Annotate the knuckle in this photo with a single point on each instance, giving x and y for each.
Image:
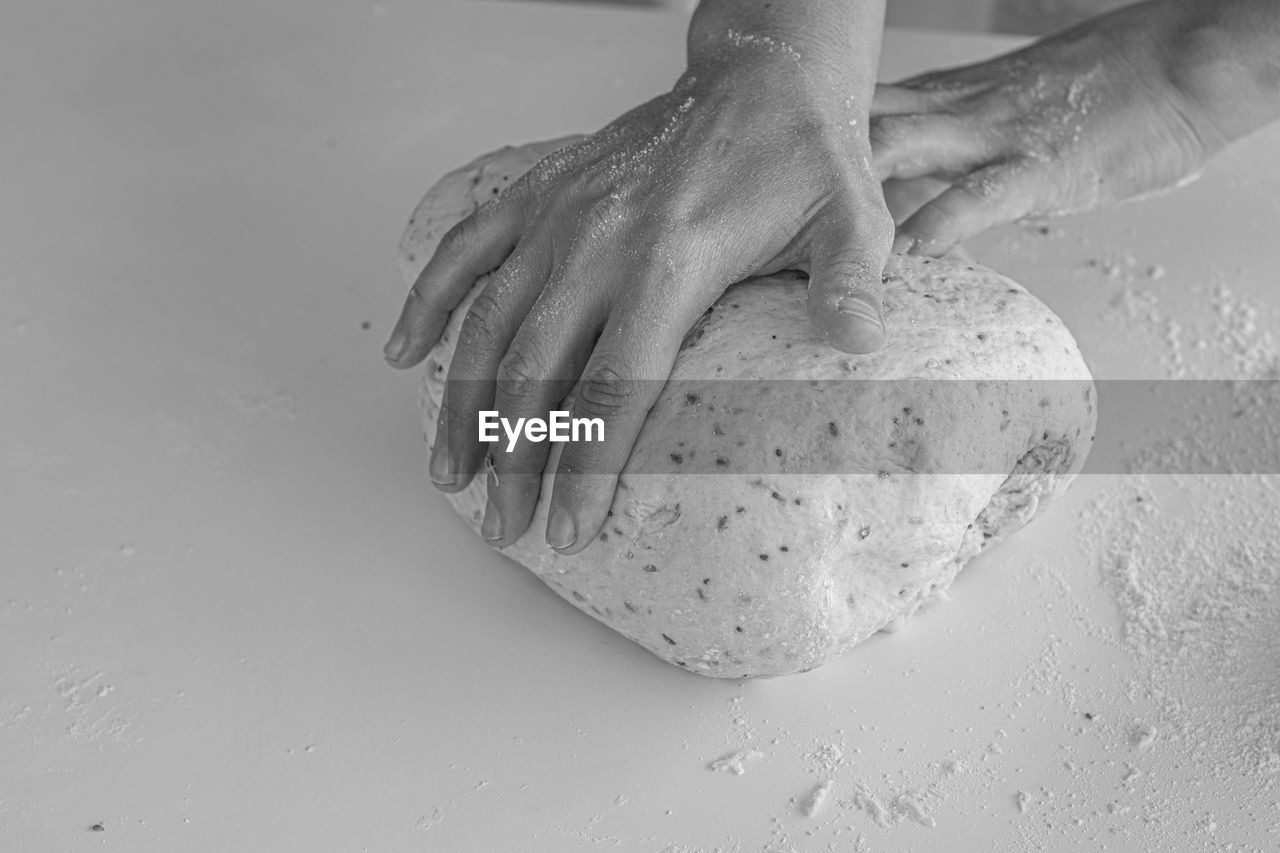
(519, 374)
(857, 247)
(484, 324)
(1021, 139)
(988, 184)
(595, 183)
(850, 265)
(458, 239)
(610, 209)
(686, 205)
(605, 391)
(600, 216)
(877, 223)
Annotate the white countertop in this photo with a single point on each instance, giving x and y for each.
(236, 616)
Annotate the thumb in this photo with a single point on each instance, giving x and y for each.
(850, 247)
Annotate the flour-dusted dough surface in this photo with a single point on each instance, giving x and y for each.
(765, 571)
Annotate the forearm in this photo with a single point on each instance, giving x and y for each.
(1224, 55)
(836, 40)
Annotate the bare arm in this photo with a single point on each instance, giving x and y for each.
(830, 31)
(1225, 56)
(1121, 106)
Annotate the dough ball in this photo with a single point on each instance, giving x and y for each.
(852, 488)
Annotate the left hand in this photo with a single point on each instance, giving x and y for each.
(1079, 120)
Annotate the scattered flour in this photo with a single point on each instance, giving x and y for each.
(1142, 735)
(816, 799)
(1191, 564)
(826, 759)
(893, 808)
(1232, 340)
(735, 762)
(742, 727)
(1199, 598)
(430, 821)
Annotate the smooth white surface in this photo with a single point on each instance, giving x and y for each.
(235, 616)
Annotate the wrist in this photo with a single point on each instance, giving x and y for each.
(1219, 59)
(836, 43)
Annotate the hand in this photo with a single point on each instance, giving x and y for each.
(1076, 121)
(608, 251)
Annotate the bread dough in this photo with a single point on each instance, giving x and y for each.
(842, 504)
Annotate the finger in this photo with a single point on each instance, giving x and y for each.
(529, 485)
(981, 200)
(538, 371)
(905, 197)
(948, 85)
(619, 386)
(849, 250)
(897, 100)
(918, 145)
(491, 322)
(923, 93)
(467, 251)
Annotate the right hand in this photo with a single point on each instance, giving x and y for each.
(608, 252)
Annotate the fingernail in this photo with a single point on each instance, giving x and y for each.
(491, 527)
(904, 244)
(561, 529)
(859, 307)
(442, 470)
(395, 347)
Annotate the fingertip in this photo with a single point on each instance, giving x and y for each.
(579, 509)
(928, 232)
(985, 198)
(904, 243)
(852, 323)
(861, 339)
(843, 303)
(936, 248)
(403, 355)
(562, 530)
(443, 468)
(924, 244)
(394, 349)
(413, 336)
(858, 324)
(500, 529)
(410, 355)
(491, 526)
(513, 491)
